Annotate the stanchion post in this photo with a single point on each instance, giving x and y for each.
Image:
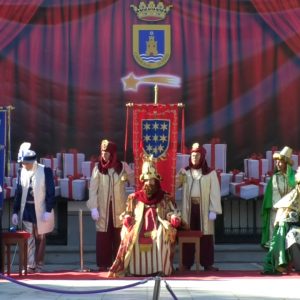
(156, 290)
(82, 268)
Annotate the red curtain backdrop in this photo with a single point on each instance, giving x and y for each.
(166, 164)
(238, 61)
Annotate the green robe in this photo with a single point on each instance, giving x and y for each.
(268, 204)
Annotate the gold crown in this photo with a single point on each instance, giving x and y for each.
(151, 12)
(149, 169)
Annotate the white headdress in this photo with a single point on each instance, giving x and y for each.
(25, 154)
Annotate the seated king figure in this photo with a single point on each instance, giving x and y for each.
(149, 229)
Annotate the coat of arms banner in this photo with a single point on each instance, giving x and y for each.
(155, 132)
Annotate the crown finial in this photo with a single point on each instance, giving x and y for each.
(151, 12)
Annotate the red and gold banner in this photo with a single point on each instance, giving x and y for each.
(155, 132)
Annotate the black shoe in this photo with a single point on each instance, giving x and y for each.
(211, 269)
(276, 273)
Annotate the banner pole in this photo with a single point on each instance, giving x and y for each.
(9, 109)
(82, 268)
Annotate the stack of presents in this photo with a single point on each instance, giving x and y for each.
(72, 172)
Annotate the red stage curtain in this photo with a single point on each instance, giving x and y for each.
(161, 136)
(14, 16)
(283, 16)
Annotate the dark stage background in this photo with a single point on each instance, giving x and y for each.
(62, 63)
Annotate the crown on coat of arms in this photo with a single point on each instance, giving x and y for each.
(151, 12)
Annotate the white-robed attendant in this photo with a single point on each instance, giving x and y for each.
(33, 205)
(201, 204)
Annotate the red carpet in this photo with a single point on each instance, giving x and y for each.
(220, 275)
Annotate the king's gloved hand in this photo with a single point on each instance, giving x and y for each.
(95, 214)
(212, 215)
(15, 219)
(46, 216)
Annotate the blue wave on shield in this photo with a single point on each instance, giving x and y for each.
(150, 58)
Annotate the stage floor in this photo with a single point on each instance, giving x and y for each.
(202, 285)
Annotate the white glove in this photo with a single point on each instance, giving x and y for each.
(15, 219)
(95, 214)
(46, 216)
(212, 215)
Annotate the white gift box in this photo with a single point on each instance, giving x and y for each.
(247, 191)
(49, 162)
(10, 181)
(254, 168)
(72, 164)
(13, 169)
(224, 179)
(265, 178)
(262, 188)
(295, 159)
(216, 160)
(238, 177)
(57, 191)
(58, 173)
(8, 192)
(74, 189)
(87, 168)
(182, 161)
(269, 157)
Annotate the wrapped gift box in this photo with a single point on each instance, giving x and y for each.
(13, 169)
(182, 161)
(255, 168)
(247, 191)
(8, 192)
(10, 181)
(216, 156)
(237, 176)
(57, 191)
(50, 162)
(296, 161)
(262, 188)
(87, 168)
(269, 157)
(224, 179)
(72, 164)
(265, 178)
(72, 189)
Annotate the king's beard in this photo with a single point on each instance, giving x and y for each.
(150, 190)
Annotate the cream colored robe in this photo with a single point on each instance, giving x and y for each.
(210, 197)
(39, 191)
(104, 187)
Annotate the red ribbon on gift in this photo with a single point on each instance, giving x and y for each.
(219, 171)
(213, 143)
(50, 156)
(13, 167)
(259, 157)
(273, 149)
(7, 192)
(75, 159)
(297, 153)
(246, 182)
(234, 172)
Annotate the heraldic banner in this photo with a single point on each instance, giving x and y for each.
(2, 151)
(155, 132)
